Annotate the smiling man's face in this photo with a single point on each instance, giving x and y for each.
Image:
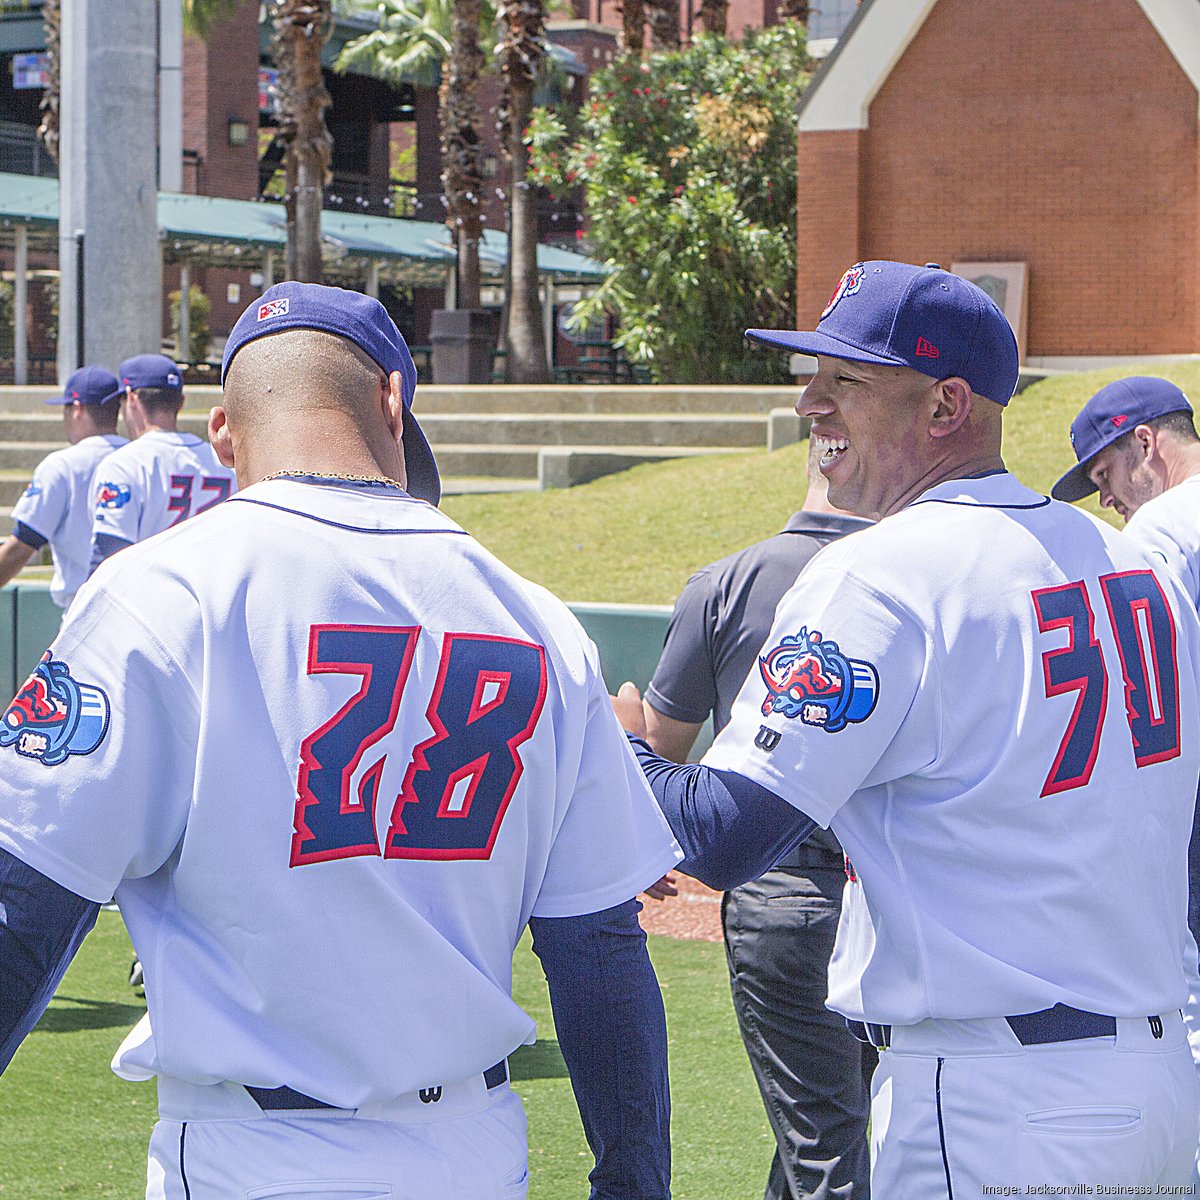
(870, 424)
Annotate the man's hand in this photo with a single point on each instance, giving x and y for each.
(663, 888)
(627, 704)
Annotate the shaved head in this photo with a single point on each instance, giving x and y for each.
(283, 375)
(305, 400)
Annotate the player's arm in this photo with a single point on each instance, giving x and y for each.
(17, 550)
(41, 927)
(115, 512)
(730, 828)
(105, 545)
(666, 736)
(608, 1014)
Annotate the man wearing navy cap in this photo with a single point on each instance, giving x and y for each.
(56, 507)
(992, 702)
(333, 758)
(1137, 446)
(164, 476)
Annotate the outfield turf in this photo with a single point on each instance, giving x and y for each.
(69, 1127)
(634, 538)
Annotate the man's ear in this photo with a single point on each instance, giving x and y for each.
(1146, 440)
(952, 408)
(219, 436)
(392, 401)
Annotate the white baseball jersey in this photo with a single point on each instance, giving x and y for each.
(57, 505)
(1168, 529)
(331, 755)
(991, 699)
(156, 482)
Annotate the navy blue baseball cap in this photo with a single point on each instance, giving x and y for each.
(899, 315)
(366, 323)
(150, 371)
(89, 385)
(1110, 414)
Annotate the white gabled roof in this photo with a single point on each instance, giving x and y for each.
(840, 94)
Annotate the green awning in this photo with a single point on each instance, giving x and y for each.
(219, 232)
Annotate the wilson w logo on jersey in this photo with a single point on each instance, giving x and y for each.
(1144, 628)
(486, 702)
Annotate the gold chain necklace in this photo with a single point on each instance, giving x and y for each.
(329, 475)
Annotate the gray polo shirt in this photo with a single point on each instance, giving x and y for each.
(722, 618)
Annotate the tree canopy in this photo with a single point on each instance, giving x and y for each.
(688, 166)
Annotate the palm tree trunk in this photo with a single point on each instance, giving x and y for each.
(523, 31)
(714, 14)
(632, 36)
(48, 130)
(302, 27)
(664, 24)
(458, 102)
(794, 10)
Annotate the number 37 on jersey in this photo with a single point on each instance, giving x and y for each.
(1144, 629)
(486, 702)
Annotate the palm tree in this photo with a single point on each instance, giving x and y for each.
(414, 39)
(48, 129)
(302, 27)
(633, 27)
(663, 18)
(522, 50)
(794, 10)
(714, 15)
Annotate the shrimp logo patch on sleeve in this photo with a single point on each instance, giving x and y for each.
(810, 678)
(54, 715)
(112, 495)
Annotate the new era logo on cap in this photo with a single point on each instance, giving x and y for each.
(1120, 420)
(926, 349)
(274, 308)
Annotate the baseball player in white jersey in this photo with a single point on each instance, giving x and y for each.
(164, 475)
(333, 757)
(56, 507)
(991, 699)
(1137, 446)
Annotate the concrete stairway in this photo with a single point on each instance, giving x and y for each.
(496, 438)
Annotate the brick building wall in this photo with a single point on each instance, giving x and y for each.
(1016, 138)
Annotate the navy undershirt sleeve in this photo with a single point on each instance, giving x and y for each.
(41, 927)
(30, 537)
(105, 545)
(730, 828)
(608, 1014)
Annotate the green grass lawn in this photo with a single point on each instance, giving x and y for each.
(69, 1127)
(634, 538)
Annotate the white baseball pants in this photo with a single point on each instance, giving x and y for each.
(961, 1110)
(466, 1148)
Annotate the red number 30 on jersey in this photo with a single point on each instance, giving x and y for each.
(486, 702)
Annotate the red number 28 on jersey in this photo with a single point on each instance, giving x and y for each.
(486, 702)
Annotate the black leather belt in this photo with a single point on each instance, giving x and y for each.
(286, 1098)
(1062, 1023)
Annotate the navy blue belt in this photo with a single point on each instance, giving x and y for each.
(286, 1098)
(1062, 1023)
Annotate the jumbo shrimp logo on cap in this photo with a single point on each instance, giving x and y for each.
(274, 308)
(847, 286)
